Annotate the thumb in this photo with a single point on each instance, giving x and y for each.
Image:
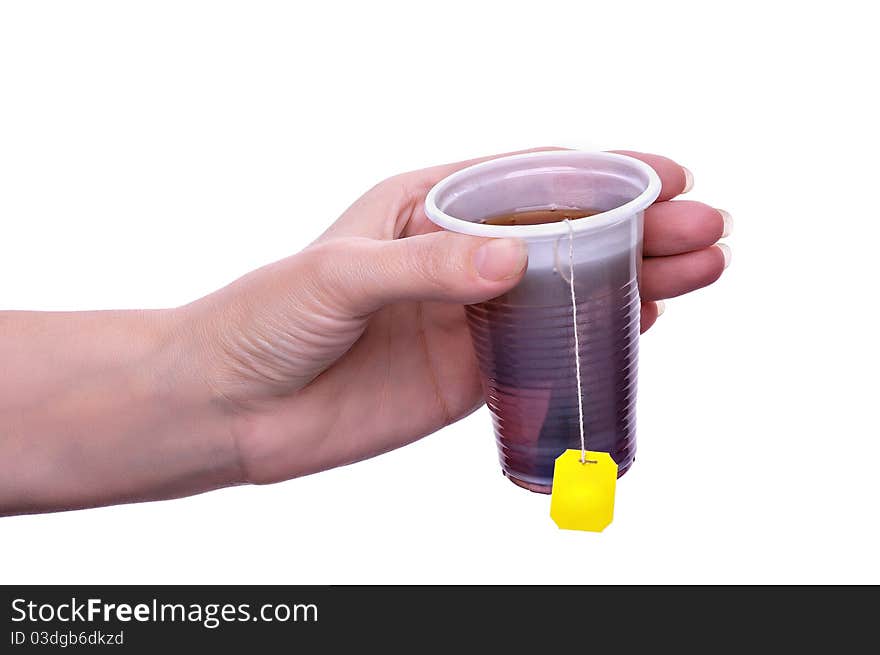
(363, 275)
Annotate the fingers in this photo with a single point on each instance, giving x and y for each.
(428, 177)
(676, 179)
(673, 228)
(393, 208)
(360, 276)
(651, 311)
(667, 277)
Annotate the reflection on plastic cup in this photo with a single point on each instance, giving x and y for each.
(524, 340)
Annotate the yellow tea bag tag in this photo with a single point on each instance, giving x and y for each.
(583, 492)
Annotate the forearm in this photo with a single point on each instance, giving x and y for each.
(105, 407)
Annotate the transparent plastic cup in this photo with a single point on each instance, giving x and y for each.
(524, 339)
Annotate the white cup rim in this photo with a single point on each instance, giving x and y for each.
(543, 230)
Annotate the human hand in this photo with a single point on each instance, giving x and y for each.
(358, 344)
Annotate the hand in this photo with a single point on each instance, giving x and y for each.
(358, 344)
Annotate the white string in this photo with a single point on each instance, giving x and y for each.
(577, 346)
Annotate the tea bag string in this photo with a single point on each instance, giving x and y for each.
(577, 345)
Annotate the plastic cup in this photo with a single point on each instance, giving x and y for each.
(524, 339)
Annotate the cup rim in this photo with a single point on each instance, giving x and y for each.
(595, 222)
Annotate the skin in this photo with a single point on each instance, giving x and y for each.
(300, 366)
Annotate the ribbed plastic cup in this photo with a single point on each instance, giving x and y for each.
(524, 340)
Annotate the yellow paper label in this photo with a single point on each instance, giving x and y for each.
(583, 493)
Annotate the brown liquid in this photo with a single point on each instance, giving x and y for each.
(538, 216)
(524, 341)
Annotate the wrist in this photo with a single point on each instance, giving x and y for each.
(176, 382)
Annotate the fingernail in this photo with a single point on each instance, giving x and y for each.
(501, 259)
(661, 307)
(725, 250)
(688, 180)
(728, 223)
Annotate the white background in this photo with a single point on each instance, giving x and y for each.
(153, 151)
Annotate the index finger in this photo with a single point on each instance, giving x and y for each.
(428, 177)
(395, 208)
(416, 185)
(676, 178)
